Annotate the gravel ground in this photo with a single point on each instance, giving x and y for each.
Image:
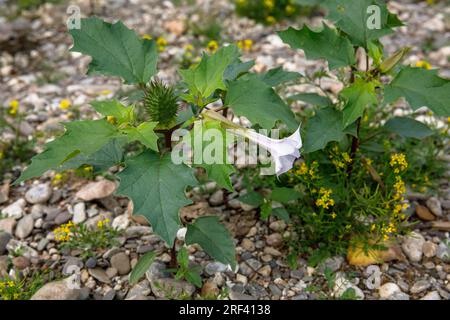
(37, 69)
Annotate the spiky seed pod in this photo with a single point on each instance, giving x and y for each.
(161, 103)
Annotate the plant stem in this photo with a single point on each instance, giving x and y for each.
(173, 257)
(355, 146)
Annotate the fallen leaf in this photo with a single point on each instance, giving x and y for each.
(358, 257)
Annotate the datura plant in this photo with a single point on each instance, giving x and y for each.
(151, 179)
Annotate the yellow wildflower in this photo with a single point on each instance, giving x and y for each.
(269, 4)
(162, 43)
(64, 104)
(111, 119)
(189, 47)
(325, 200)
(13, 107)
(423, 64)
(245, 45)
(333, 215)
(105, 92)
(270, 20)
(290, 9)
(147, 37)
(212, 46)
(346, 157)
(398, 162)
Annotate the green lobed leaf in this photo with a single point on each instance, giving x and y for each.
(144, 133)
(156, 186)
(236, 69)
(114, 109)
(324, 127)
(214, 238)
(325, 44)
(258, 102)
(115, 50)
(312, 98)
(358, 96)
(208, 75)
(421, 88)
(109, 155)
(220, 173)
(351, 16)
(284, 195)
(252, 198)
(142, 266)
(85, 137)
(275, 77)
(408, 127)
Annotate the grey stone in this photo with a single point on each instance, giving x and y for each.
(109, 295)
(413, 246)
(332, 264)
(96, 190)
(7, 225)
(15, 210)
(443, 251)
(388, 289)
(216, 199)
(171, 288)
(72, 266)
(42, 244)
(24, 227)
(254, 264)
(15, 246)
(140, 289)
(62, 218)
(4, 239)
(137, 231)
(213, 267)
(38, 194)
(100, 275)
(121, 262)
(399, 296)
(58, 290)
(435, 206)
(79, 213)
(91, 262)
(420, 286)
(433, 295)
(155, 271)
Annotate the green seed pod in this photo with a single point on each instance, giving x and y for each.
(161, 103)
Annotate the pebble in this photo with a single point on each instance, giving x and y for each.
(24, 227)
(91, 262)
(399, 296)
(435, 206)
(72, 265)
(7, 225)
(160, 288)
(15, 210)
(4, 192)
(443, 252)
(4, 239)
(278, 226)
(254, 264)
(420, 286)
(433, 295)
(63, 217)
(140, 289)
(96, 190)
(137, 231)
(121, 262)
(429, 249)
(79, 213)
(248, 245)
(38, 194)
(265, 271)
(214, 267)
(274, 240)
(121, 222)
(20, 262)
(388, 289)
(341, 285)
(100, 275)
(58, 290)
(413, 246)
(216, 199)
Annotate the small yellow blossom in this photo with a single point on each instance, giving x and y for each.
(423, 64)
(13, 107)
(64, 104)
(290, 9)
(105, 92)
(147, 37)
(333, 215)
(346, 157)
(103, 223)
(245, 45)
(162, 43)
(212, 46)
(111, 119)
(325, 200)
(269, 4)
(189, 47)
(270, 20)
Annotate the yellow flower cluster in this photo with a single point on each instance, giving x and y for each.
(212, 46)
(325, 200)
(387, 230)
(423, 64)
(245, 45)
(64, 104)
(63, 232)
(103, 223)
(188, 49)
(398, 162)
(8, 290)
(304, 170)
(147, 37)
(13, 107)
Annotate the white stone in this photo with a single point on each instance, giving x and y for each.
(15, 210)
(388, 289)
(413, 246)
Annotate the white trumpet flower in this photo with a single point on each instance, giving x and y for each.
(284, 152)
